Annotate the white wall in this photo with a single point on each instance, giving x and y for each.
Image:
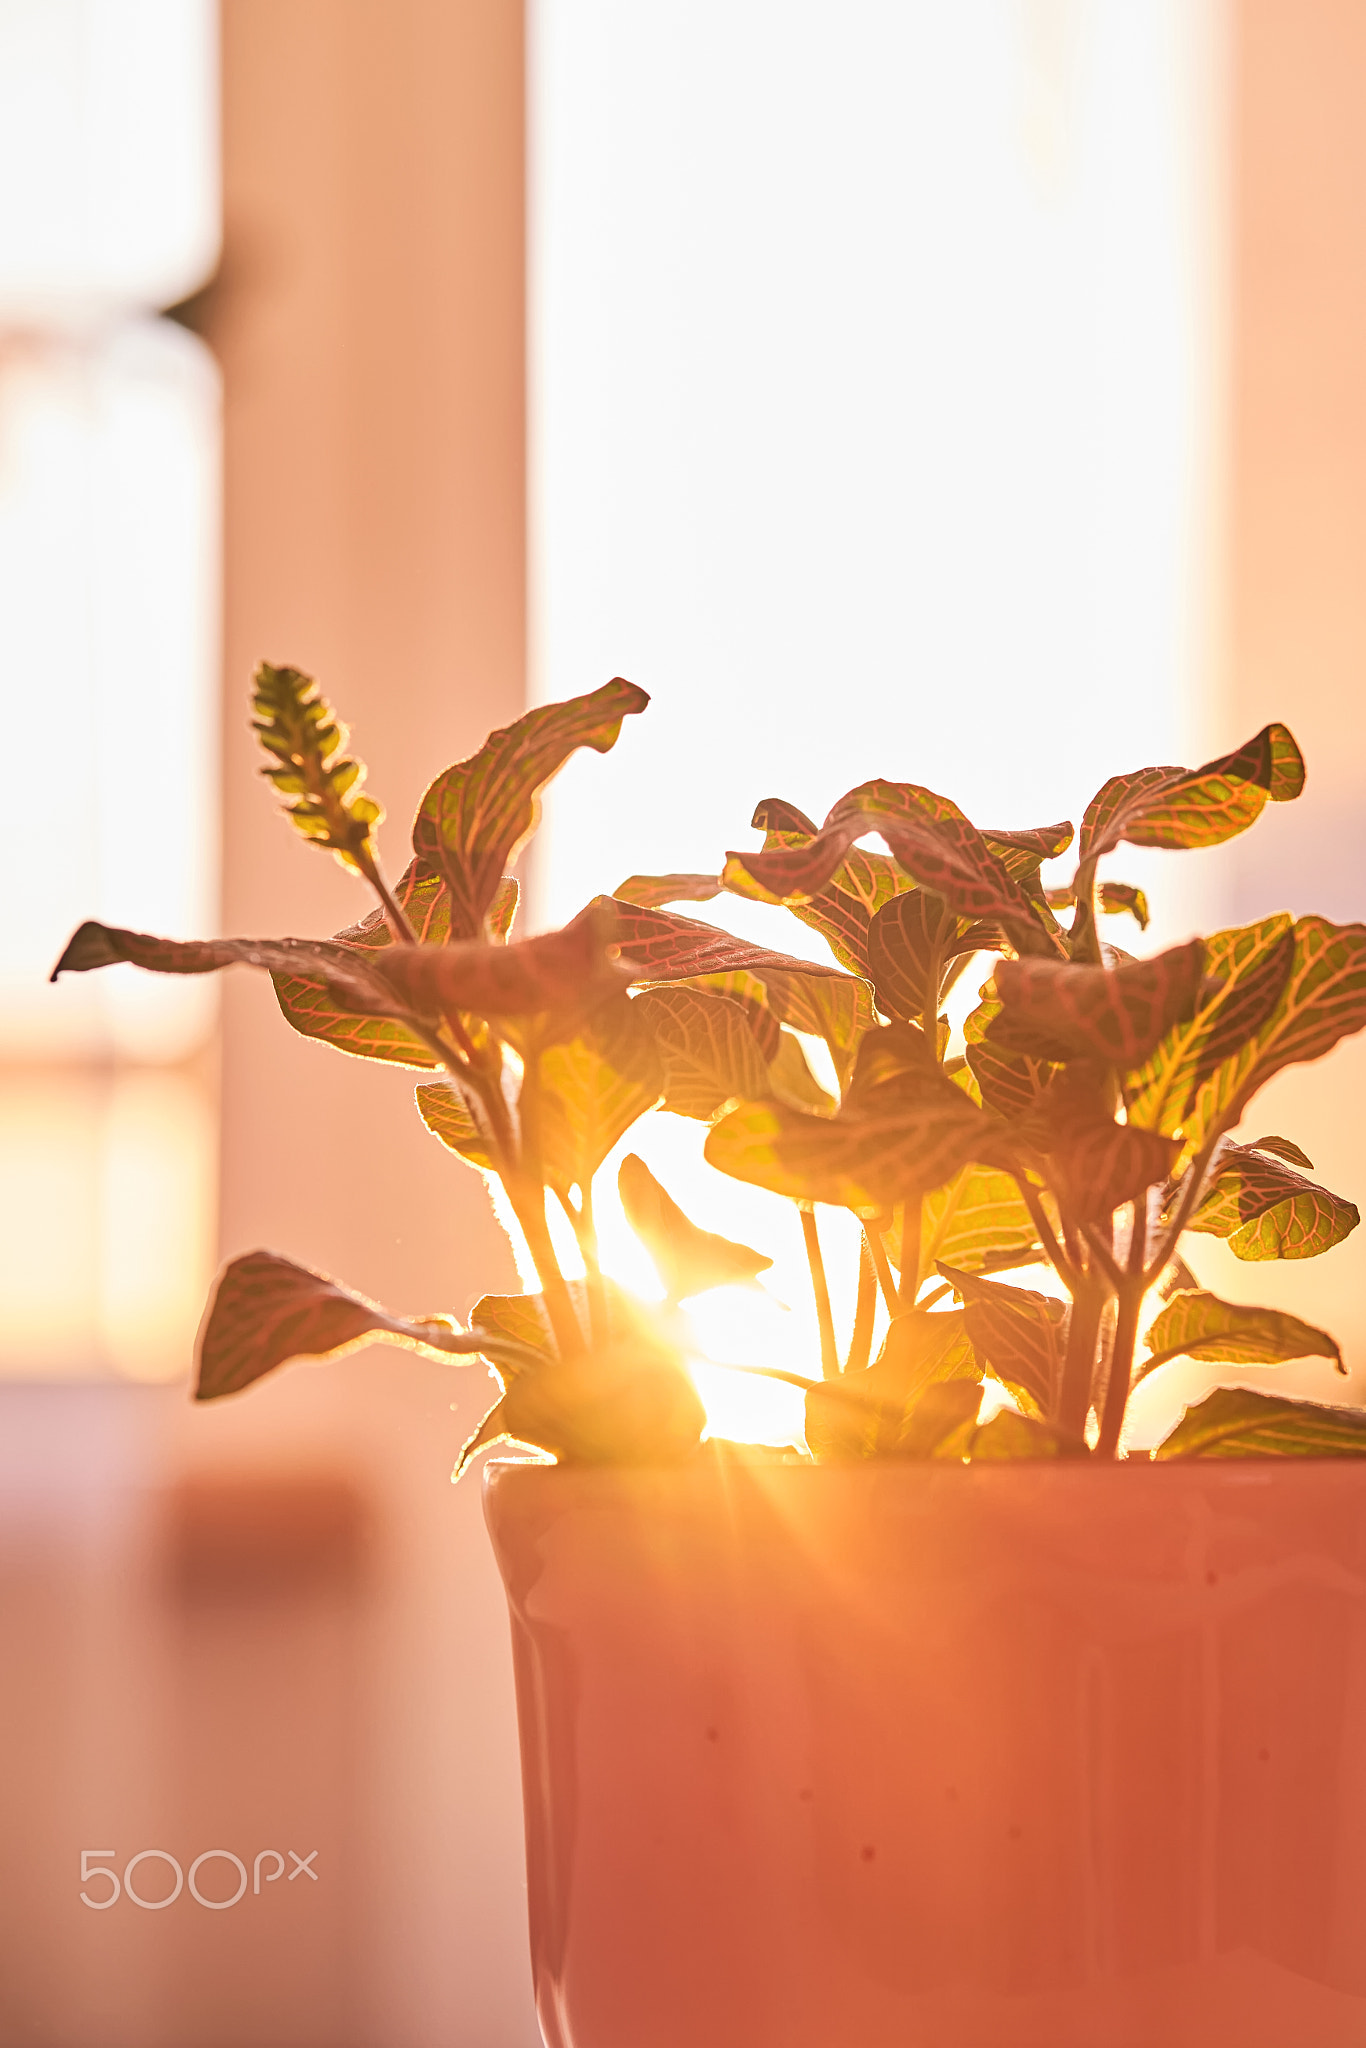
(874, 404)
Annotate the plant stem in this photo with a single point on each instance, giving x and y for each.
(882, 1266)
(1054, 1252)
(1080, 1361)
(912, 1206)
(586, 1234)
(830, 1358)
(394, 915)
(1192, 1188)
(865, 1312)
(1132, 1289)
(528, 1206)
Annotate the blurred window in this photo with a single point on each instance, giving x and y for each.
(108, 656)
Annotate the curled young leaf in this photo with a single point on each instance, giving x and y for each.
(266, 1310)
(858, 888)
(1238, 1422)
(1199, 1325)
(709, 1052)
(1054, 1010)
(1268, 1211)
(688, 1260)
(305, 740)
(929, 837)
(1184, 807)
(1116, 899)
(479, 813)
(652, 892)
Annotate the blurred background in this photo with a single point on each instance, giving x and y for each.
(966, 395)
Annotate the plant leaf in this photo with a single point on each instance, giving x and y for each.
(909, 943)
(1021, 1335)
(1284, 1148)
(501, 912)
(266, 1310)
(341, 967)
(1055, 1010)
(857, 889)
(1247, 969)
(790, 1078)
(317, 1011)
(687, 1259)
(1323, 1000)
(1184, 807)
(558, 978)
(520, 1319)
(651, 892)
(1022, 853)
(449, 1117)
(592, 1088)
(630, 1402)
(892, 1409)
(1110, 1163)
(477, 814)
(929, 836)
(1199, 1325)
(1008, 1435)
(865, 1162)
(305, 740)
(1238, 1422)
(709, 1053)
(977, 1217)
(1268, 1211)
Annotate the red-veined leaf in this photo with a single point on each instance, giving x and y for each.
(561, 976)
(864, 1162)
(1051, 1009)
(1322, 1001)
(1284, 1148)
(591, 1089)
(1199, 1325)
(1266, 1210)
(449, 1117)
(1182, 807)
(477, 814)
(689, 1260)
(859, 887)
(1109, 1163)
(652, 892)
(267, 1310)
(910, 941)
(709, 1053)
(1020, 1334)
(1238, 1422)
(929, 836)
(1247, 969)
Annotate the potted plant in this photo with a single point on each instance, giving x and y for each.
(954, 1723)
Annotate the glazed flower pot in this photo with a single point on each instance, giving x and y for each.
(1013, 1756)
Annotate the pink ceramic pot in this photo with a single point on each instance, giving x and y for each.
(1071, 1757)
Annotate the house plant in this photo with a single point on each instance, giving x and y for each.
(934, 1728)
